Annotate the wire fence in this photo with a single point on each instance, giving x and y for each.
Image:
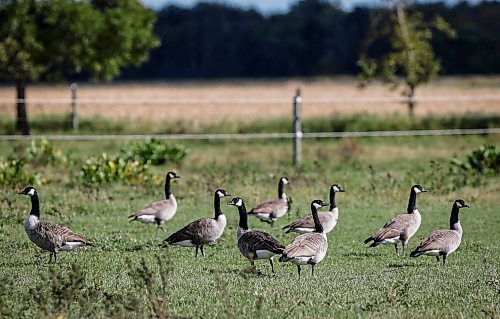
(297, 135)
(248, 136)
(250, 101)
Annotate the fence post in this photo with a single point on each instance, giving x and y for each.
(74, 107)
(297, 128)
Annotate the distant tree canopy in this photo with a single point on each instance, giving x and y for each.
(57, 39)
(314, 38)
(410, 57)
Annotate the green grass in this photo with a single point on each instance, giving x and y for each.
(61, 124)
(108, 280)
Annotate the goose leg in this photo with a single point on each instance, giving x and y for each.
(444, 260)
(437, 257)
(397, 250)
(404, 246)
(50, 259)
(272, 265)
(160, 226)
(298, 270)
(196, 254)
(202, 253)
(312, 269)
(55, 258)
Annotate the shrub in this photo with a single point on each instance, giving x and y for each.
(485, 160)
(44, 152)
(105, 169)
(154, 152)
(12, 173)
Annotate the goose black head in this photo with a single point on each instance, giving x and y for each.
(222, 193)
(318, 203)
(236, 201)
(418, 189)
(172, 175)
(337, 188)
(284, 181)
(29, 191)
(460, 203)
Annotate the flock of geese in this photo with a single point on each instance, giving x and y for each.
(308, 248)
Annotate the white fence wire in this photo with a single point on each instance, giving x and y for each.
(249, 101)
(250, 136)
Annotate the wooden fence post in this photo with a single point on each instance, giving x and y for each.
(74, 107)
(297, 128)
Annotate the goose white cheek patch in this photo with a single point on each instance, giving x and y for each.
(31, 192)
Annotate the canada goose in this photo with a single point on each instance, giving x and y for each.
(308, 248)
(254, 244)
(402, 227)
(47, 235)
(272, 209)
(202, 231)
(445, 241)
(159, 212)
(328, 219)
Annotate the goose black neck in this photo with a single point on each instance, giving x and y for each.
(243, 217)
(332, 199)
(217, 208)
(167, 187)
(281, 187)
(454, 216)
(318, 228)
(412, 202)
(35, 205)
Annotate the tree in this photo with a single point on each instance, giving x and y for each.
(60, 38)
(409, 52)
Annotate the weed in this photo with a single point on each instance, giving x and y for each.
(154, 152)
(13, 174)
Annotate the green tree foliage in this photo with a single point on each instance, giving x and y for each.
(315, 37)
(408, 54)
(57, 39)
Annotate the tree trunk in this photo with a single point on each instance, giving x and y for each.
(411, 101)
(22, 124)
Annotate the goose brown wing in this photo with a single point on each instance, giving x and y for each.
(259, 240)
(394, 227)
(153, 208)
(306, 245)
(191, 231)
(439, 240)
(266, 207)
(306, 222)
(65, 234)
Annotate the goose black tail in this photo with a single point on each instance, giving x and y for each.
(415, 253)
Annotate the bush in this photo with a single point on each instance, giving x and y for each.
(44, 152)
(154, 152)
(105, 169)
(12, 173)
(484, 160)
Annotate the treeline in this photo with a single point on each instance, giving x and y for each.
(315, 37)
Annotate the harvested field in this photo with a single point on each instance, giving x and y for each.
(280, 90)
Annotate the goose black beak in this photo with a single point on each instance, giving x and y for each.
(465, 205)
(424, 190)
(20, 193)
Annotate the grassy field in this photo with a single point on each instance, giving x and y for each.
(281, 90)
(126, 274)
